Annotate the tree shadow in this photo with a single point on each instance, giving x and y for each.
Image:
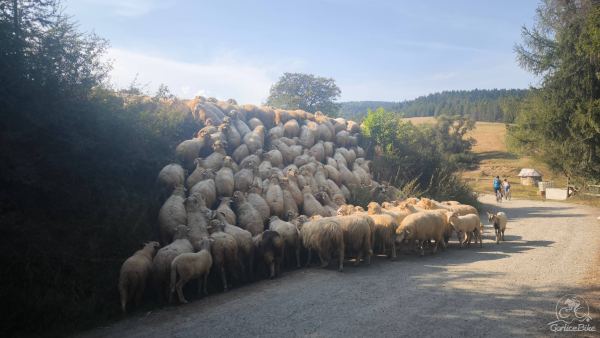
(496, 155)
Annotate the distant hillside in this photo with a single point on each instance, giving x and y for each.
(495, 105)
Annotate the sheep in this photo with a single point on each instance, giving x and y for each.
(293, 187)
(190, 266)
(240, 153)
(499, 221)
(255, 198)
(224, 180)
(197, 218)
(347, 177)
(307, 137)
(329, 148)
(254, 122)
(323, 236)
(243, 238)
(318, 151)
(468, 225)
(385, 229)
(330, 207)
(253, 158)
(310, 205)
(274, 197)
(269, 247)
(214, 161)
(255, 139)
(225, 208)
(333, 174)
(275, 157)
(424, 226)
(161, 264)
(243, 179)
(461, 209)
(171, 176)
(187, 151)
(357, 235)
(288, 232)
(134, 274)
(264, 169)
(291, 128)
(206, 188)
(276, 132)
(207, 110)
(247, 216)
(171, 214)
(289, 203)
(353, 127)
(240, 125)
(224, 252)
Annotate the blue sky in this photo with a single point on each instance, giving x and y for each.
(375, 50)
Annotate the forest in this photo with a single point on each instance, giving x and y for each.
(494, 105)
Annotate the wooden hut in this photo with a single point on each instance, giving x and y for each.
(529, 176)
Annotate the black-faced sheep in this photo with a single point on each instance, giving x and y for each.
(268, 248)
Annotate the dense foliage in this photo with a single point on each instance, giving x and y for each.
(306, 92)
(559, 123)
(78, 164)
(479, 104)
(424, 158)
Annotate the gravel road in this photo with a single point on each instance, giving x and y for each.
(504, 290)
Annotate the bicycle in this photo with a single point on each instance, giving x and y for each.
(507, 195)
(498, 195)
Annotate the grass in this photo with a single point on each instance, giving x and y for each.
(495, 160)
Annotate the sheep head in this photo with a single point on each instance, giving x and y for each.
(181, 232)
(374, 208)
(238, 197)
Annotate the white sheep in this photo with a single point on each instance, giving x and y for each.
(171, 214)
(171, 176)
(247, 216)
(358, 231)
(134, 274)
(499, 221)
(224, 252)
(224, 181)
(467, 225)
(424, 226)
(289, 233)
(189, 266)
(161, 264)
(310, 205)
(385, 229)
(243, 238)
(324, 236)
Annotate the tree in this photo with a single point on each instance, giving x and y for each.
(559, 123)
(306, 92)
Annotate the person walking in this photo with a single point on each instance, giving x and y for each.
(497, 188)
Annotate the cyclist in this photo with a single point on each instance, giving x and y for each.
(497, 187)
(506, 187)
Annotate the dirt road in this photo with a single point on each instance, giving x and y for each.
(504, 290)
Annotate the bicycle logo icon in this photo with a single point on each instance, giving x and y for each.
(572, 314)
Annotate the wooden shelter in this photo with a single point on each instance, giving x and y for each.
(529, 176)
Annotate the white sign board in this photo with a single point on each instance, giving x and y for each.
(556, 194)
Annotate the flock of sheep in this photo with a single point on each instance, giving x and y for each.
(265, 185)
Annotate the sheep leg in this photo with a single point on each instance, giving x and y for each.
(358, 258)
(503, 235)
(139, 292)
(124, 299)
(298, 255)
(272, 269)
(224, 278)
(309, 257)
(341, 257)
(179, 287)
(205, 283)
(324, 262)
(422, 251)
(394, 250)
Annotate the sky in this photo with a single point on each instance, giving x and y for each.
(375, 50)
